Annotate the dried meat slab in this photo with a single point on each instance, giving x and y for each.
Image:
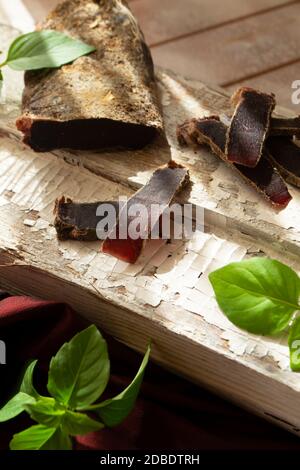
(161, 189)
(78, 221)
(249, 126)
(285, 126)
(106, 99)
(264, 177)
(285, 155)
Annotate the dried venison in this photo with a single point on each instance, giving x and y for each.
(285, 126)
(105, 99)
(160, 190)
(264, 177)
(249, 126)
(78, 221)
(285, 155)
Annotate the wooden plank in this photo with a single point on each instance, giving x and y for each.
(164, 296)
(154, 298)
(233, 52)
(164, 20)
(278, 81)
(177, 17)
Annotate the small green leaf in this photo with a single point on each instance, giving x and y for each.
(77, 424)
(259, 295)
(79, 372)
(1, 76)
(113, 411)
(59, 441)
(15, 406)
(44, 49)
(294, 345)
(33, 438)
(46, 411)
(27, 382)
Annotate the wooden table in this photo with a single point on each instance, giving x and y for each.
(166, 295)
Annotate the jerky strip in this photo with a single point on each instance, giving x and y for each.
(161, 189)
(249, 126)
(104, 99)
(285, 155)
(212, 132)
(74, 221)
(285, 126)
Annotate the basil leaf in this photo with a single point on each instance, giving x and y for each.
(77, 424)
(259, 295)
(79, 372)
(44, 49)
(46, 411)
(113, 411)
(294, 345)
(27, 382)
(33, 438)
(58, 441)
(15, 406)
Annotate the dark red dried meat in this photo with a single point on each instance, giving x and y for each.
(161, 189)
(285, 126)
(212, 132)
(78, 221)
(285, 155)
(249, 126)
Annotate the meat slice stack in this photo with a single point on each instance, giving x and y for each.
(256, 145)
(264, 177)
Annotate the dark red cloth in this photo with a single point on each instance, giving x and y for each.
(170, 413)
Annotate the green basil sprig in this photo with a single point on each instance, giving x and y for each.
(261, 295)
(44, 49)
(77, 377)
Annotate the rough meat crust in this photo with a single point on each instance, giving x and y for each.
(249, 126)
(114, 83)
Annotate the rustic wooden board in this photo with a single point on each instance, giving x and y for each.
(166, 296)
(165, 20)
(235, 51)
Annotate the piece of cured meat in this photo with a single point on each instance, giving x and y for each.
(285, 155)
(285, 126)
(105, 99)
(212, 132)
(160, 190)
(78, 221)
(249, 126)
